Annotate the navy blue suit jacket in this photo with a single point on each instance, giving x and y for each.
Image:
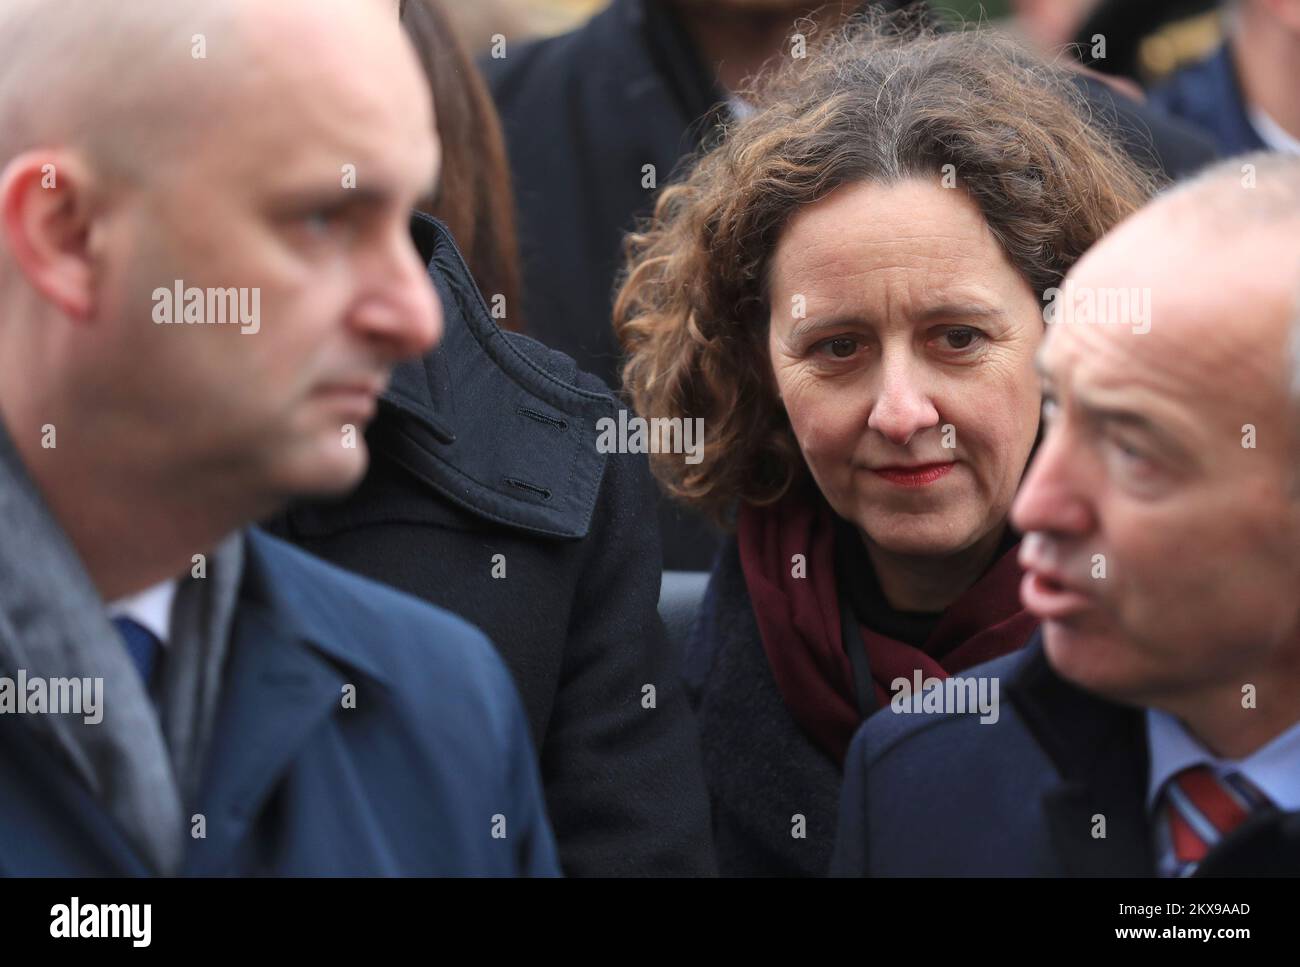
(434, 759)
(943, 794)
(1208, 95)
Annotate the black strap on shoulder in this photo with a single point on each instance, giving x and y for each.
(851, 637)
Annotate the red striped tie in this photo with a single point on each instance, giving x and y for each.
(1204, 808)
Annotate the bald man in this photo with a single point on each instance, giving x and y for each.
(206, 276)
(1155, 726)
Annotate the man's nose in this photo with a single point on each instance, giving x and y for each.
(403, 310)
(1054, 496)
(903, 407)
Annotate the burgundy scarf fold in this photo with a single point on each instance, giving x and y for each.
(799, 621)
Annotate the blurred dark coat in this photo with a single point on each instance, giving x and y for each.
(407, 782)
(944, 794)
(483, 460)
(1208, 95)
(584, 112)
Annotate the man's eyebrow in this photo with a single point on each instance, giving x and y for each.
(1110, 414)
(334, 198)
(1102, 416)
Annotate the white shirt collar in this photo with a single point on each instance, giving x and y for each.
(1276, 137)
(1274, 768)
(151, 608)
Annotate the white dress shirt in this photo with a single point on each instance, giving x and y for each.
(151, 608)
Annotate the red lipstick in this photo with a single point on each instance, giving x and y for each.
(921, 475)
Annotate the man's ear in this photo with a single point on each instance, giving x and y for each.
(45, 216)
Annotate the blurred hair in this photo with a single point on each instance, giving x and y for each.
(884, 100)
(474, 195)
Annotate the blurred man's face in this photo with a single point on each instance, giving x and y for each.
(1162, 544)
(301, 203)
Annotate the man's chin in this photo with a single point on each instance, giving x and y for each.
(1094, 659)
(335, 473)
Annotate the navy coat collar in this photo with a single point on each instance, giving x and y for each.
(285, 676)
(1100, 753)
(286, 669)
(1208, 94)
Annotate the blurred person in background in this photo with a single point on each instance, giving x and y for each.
(1246, 94)
(487, 495)
(474, 198)
(848, 292)
(476, 23)
(1051, 24)
(1119, 39)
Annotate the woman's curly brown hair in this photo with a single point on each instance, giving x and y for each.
(884, 100)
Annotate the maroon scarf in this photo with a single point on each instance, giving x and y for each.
(799, 621)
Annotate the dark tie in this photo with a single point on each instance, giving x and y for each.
(141, 644)
(1202, 809)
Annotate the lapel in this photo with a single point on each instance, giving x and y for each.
(284, 680)
(50, 823)
(1100, 753)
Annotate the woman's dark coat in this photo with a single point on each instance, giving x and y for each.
(768, 780)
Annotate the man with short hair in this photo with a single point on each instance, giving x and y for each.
(206, 276)
(1155, 728)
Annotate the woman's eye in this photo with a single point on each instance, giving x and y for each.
(842, 347)
(960, 338)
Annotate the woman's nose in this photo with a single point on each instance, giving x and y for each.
(903, 407)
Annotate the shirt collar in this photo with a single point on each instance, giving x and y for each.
(1273, 768)
(151, 608)
(1273, 134)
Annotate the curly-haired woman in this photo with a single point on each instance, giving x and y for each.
(849, 291)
